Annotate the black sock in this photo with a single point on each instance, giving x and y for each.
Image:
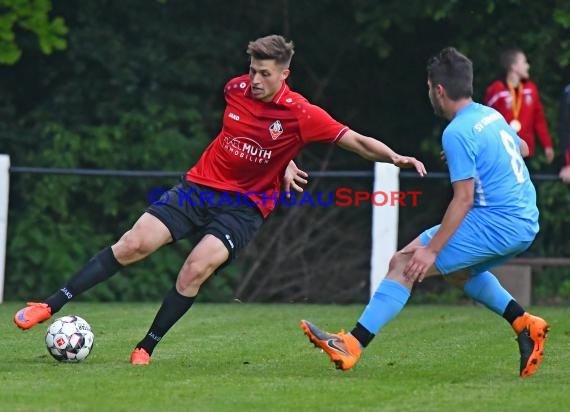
(99, 268)
(174, 306)
(513, 311)
(363, 335)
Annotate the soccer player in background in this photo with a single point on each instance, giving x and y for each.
(265, 125)
(491, 218)
(564, 133)
(517, 99)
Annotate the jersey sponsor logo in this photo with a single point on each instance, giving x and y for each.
(233, 116)
(247, 149)
(480, 125)
(276, 129)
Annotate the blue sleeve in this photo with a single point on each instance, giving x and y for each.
(460, 153)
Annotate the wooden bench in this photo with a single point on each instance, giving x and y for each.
(516, 275)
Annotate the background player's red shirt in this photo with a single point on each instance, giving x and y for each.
(531, 115)
(258, 140)
(564, 125)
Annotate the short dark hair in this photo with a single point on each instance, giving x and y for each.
(453, 71)
(273, 47)
(508, 57)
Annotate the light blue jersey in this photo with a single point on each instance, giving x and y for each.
(479, 144)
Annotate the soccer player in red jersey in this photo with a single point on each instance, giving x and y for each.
(227, 195)
(564, 133)
(517, 99)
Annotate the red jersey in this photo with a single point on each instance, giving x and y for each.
(258, 140)
(564, 126)
(531, 115)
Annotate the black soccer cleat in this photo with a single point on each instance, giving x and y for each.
(531, 343)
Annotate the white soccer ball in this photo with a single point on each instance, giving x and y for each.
(69, 339)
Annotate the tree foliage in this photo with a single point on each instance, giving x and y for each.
(31, 16)
(139, 86)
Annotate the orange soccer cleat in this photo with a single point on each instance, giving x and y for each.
(140, 357)
(531, 334)
(32, 314)
(344, 350)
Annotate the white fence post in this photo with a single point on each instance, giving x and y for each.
(4, 194)
(384, 223)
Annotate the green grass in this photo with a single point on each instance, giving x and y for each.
(242, 357)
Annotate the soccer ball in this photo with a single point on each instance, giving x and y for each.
(69, 339)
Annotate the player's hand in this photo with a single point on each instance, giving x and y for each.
(442, 157)
(565, 174)
(293, 178)
(549, 153)
(407, 162)
(421, 261)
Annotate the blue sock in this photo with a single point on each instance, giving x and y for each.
(387, 302)
(486, 289)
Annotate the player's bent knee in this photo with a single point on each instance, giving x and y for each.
(398, 262)
(189, 284)
(193, 274)
(131, 246)
(396, 269)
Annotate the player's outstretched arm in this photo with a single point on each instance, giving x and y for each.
(372, 149)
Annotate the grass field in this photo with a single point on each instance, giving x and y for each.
(242, 357)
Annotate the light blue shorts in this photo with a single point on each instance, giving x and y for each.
(476, 246)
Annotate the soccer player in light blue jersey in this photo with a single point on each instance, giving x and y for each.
(491, 218)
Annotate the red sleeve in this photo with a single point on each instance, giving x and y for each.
(316, 125)
(564, 125)
(540, 125)
(488, 94)
(491, 94)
